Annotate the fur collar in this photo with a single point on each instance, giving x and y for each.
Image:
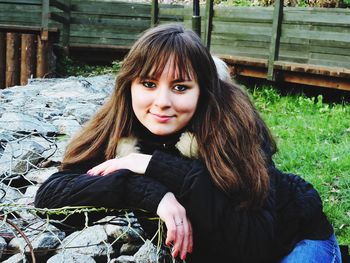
(187, 145)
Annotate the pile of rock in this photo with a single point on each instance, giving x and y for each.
(36, 123)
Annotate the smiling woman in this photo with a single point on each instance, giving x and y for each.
(182, 141)
(165, 104)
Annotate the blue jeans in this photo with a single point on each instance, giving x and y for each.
(315, 251)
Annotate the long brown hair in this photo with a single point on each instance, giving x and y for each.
(226, 125)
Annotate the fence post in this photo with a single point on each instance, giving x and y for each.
(209, 12)
(27, 57)
(12, 59)
(154, 13)
(275, 38)
(196, 18)
(45, 10)
(2, 59)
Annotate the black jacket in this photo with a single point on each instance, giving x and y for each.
(222, 232)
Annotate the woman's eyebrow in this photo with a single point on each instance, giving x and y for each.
(181, 80)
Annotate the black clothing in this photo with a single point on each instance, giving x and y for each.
(222, 232)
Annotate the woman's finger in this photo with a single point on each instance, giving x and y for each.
(190, 237)
(186, 240)
(180, 234)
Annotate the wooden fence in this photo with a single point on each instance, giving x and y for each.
(301, 45)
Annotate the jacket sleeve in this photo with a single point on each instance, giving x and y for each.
(248, 235)
(121, 189)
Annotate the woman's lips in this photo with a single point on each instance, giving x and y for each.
(162, 118)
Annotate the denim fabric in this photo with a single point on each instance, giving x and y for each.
(315, 251)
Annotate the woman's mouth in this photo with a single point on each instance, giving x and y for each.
(162, 118)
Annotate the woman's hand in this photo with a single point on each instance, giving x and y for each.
(135, 162)
(179, 226)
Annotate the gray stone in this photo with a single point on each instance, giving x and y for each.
(125, 229)
(17, 258)
(3, 246)
(20, 122)
(67, 126)
(27, 201)
(91, 241)
(129, 248)
(41, 235)
(41, 175)
(123, 259)
(20, 156)
(147, 253)
(69, 257)
(9, 194)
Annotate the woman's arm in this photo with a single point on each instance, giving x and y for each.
(245, 235)
(121, 189)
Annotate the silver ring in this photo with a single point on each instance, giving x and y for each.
(179, 223)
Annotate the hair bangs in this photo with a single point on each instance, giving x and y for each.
(160, 53)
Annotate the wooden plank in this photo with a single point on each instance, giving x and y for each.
(101, 41)
(229, 37)
(23, 2)
(343, 51)
(58, 18)
(275, 38)
(108, 22)
(313, 69)
(315, 80)
(99, 47)
(240, 60)
(6, 7)
(314, 35)
(242, 28)
(242, 43)
(329, 63)
(2, 59)
(12, 59)
(27, 57)
(23, 29)
(264, 14)
(114, 8)
(45, 19)
(245, 52)
(42, 57)
(104, 35)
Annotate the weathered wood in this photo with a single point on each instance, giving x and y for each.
(315, 80)
(66, 28)
(23, 29)
(275, 38)
(2, 59)
(209, 13)
(248, 61)
(27, 57)
(12, 59)
(154, 12)
(313, 69)
(42, 57)
(31, 2)
(63, 6)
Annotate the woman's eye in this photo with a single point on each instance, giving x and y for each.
(148, 84)
(180, 88)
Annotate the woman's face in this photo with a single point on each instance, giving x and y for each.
(166, 104)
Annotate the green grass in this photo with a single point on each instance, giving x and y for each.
(314, 141)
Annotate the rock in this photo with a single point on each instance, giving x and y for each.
(129, 248)
(124, 228)
(28, 200)
(147, 253)
(9, 194)
(41, 235)
(124, 259)
(66, 126)
(41, 175)
(3, 246)
(20, 122)
(91, 241)
(69, 257)
(20, 156)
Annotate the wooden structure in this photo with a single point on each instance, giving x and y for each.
(299, 45)
(28, 30)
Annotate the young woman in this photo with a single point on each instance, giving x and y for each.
(177, 140)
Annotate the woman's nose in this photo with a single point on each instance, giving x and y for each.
(162, 98)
